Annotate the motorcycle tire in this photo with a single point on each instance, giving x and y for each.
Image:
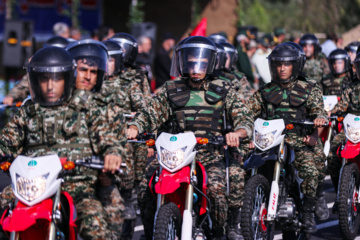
(257, 191)
(349, 215)
(168, 222)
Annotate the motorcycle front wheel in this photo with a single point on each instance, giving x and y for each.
(349, 218)
(168, 222)
(254, 209)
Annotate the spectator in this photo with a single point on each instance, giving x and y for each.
(61, 29)
(279, 35)
(162, 61)
(330, 44)
(260, 61)
(105, 32)
(243, 63)
(75, 34)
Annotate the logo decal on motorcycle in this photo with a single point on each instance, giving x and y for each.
(357, 119)
(266, 124)
(173, 139)
(32, 163)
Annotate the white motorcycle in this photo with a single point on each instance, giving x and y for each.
(273, 198)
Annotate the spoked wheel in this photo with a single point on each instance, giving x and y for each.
(254, 210)
(349, 218)
(168, 222)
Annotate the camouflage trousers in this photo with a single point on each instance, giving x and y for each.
(127, 180)
(310, 163)
(334, 163)
(140, 160)
(91, 217)
(215, 168)
(114, 207)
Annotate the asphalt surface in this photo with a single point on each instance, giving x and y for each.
(327, 230)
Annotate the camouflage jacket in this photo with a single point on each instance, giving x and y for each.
(160, 110)
(332, 85)
(317, 68)
(21, 90)
(240, 83)
(140, 77)
(350, 100)
(298, 95)
(80, 128)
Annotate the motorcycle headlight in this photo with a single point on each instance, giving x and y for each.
(31, 189)
(264, 140)
(172, 159)
(353, 133)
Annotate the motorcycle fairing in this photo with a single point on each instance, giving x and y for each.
(351, 150)
(73, 230)
(258, 159)
(204, 189)
(23, 217)
(169, 182)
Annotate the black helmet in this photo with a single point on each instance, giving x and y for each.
(302, 54)
(342, 60)
(357, 65)
(287, 54)
(217, 38)
(197, 48)
(51, 76)
(310, 39)
(115, 51)
(352, 47)
(57, 41)
(92, 53)
(220, 57)
(129, 46)
(231, 56)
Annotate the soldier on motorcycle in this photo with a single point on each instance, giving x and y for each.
(289, 98)
(198, 105)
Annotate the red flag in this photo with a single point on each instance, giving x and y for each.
(200, 29)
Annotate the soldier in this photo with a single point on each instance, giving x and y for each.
(217, 38)
(349, 103)
(290, 98)
(91, 58)
(339, 79)
(316, 66)
(351, 49)
(82, 128)
(238, 79)
(197, 100)
(21, 90)
(132, 82)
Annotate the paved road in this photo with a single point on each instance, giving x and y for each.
(327, 230)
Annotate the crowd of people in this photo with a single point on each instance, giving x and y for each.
(82, 89)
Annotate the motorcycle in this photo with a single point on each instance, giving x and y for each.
(179, 184)
(41, 210)
(273, 198)
(348, 192)
(329, 132)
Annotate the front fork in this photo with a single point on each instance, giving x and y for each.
(274, 193)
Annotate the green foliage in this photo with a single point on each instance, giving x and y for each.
(73, 13)
(137, 13)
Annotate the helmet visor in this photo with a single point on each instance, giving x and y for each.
(339, 63)
(50, 88)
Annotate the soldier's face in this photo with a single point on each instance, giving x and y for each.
(111, 66)
(52, 86)
(284, 70)
(197, 67)
(339, 65)
(309, 50)
(86, 76)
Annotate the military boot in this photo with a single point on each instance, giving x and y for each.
(321, 208)
(130, 213)
(232, 230)
(308, 216)
(217, 233)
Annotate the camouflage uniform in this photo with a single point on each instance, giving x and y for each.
(349, 103)
(75, 130)
(333, 85)
(21, 90)
(161, 110)
(239, 82)
(272, 102)
(317, 68)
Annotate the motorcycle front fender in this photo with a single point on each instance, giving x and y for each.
(257, 159)
(169, 182)
(351, 150)
(23, 217)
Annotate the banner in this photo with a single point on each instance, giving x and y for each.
(45, 13)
